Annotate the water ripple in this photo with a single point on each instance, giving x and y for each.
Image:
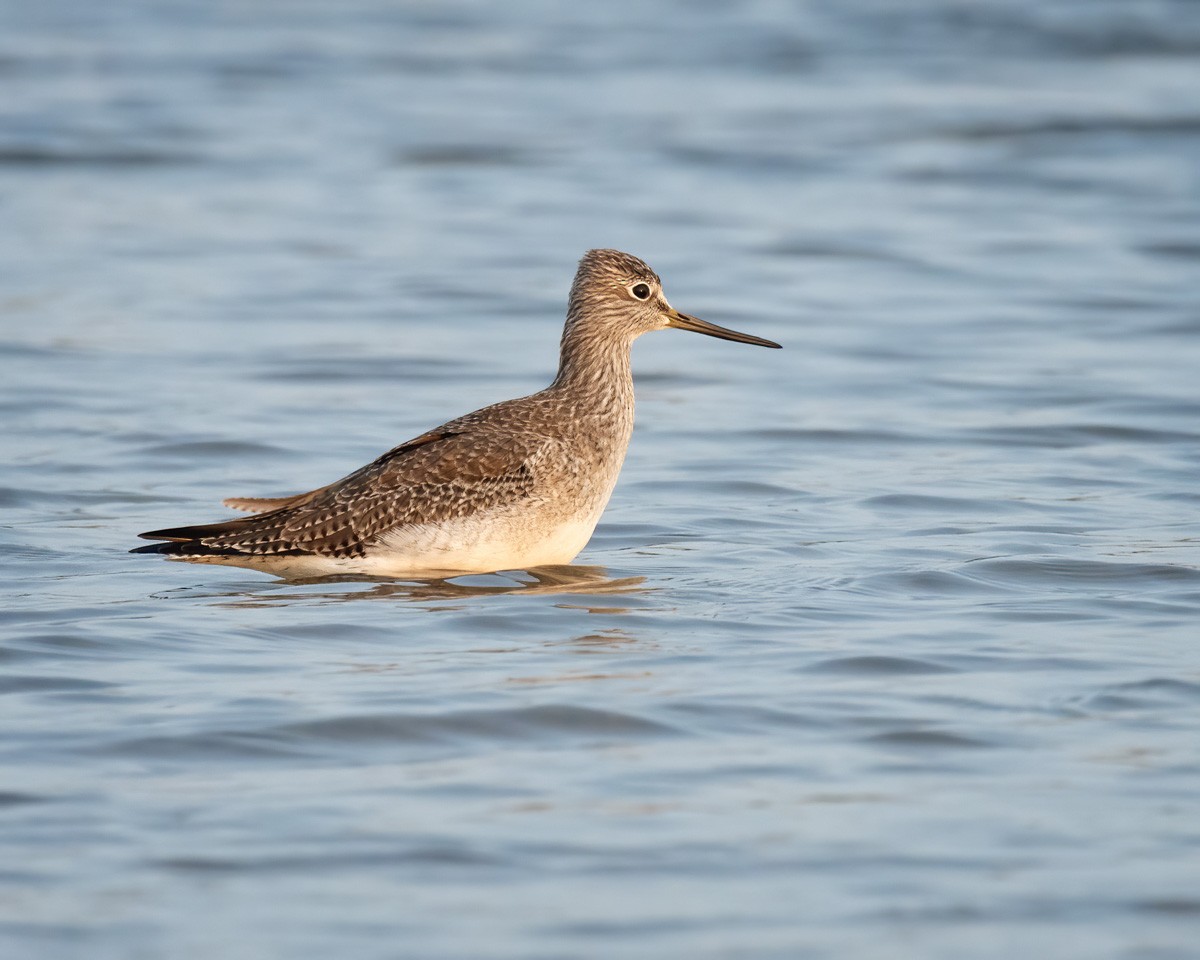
(868, 666)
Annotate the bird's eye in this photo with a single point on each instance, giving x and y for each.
(641, 291)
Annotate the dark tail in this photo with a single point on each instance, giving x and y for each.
(185, 548)
(188, 541)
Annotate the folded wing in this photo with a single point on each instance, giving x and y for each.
(438, 476)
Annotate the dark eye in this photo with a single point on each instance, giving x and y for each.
(641, 291)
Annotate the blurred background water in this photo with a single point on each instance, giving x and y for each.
(888, 642)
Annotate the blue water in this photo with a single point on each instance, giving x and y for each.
(889, 642)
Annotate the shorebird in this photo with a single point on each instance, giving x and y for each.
(517, 485)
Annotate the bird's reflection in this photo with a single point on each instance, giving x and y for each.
(566, 580)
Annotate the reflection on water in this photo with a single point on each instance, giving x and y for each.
(572, 579)
(603, 641)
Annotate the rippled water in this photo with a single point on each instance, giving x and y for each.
(889, 642)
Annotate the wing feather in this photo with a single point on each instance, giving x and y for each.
(438, 476)
(267, 504)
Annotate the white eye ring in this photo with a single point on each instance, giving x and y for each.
(640, 290)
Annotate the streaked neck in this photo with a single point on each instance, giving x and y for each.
(594, 362)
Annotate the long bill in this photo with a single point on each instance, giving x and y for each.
(681, 321)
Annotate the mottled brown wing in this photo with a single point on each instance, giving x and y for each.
(438, 476)
(268, 504)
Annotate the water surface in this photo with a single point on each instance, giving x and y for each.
(887, 644)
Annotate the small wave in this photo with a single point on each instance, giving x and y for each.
(215, 745)
(524, 723)
(927, 583)
(970, 506)
(727, 717)
(362, 370)
(1060, 436)
(1180, 906)
(877, 666)
(465, 155)
(40, 684)
(426, 854)
(923, 739)
(13, 798)
(1155, 693)
(537, 725)
(864, 437)
(38, 156)
(1074, 126)
(212, 448)
(1061, 571)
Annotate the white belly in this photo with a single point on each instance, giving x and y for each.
(444, 549)
(478, 545)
